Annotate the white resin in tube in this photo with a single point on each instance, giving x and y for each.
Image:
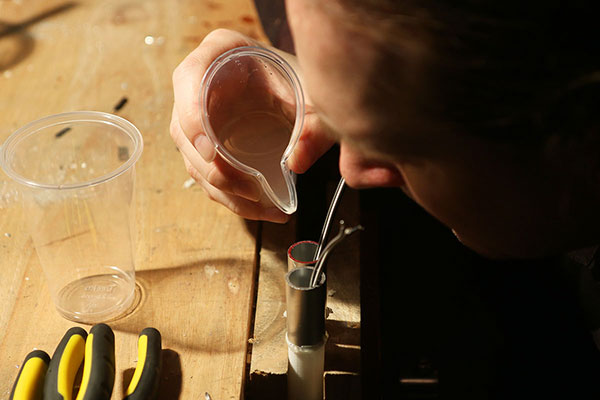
(305, 371)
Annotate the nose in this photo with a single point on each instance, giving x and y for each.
(361, 172)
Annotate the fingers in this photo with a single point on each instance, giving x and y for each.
(223, 183)
(312, 144)
(199, 143)
(244, 208)
(186, 127)
(187, 77)
(205, 147)
(216, 172)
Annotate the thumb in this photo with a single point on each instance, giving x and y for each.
(312, 144)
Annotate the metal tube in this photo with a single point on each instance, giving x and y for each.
(302, 254)
(306, 334)
(305, 307)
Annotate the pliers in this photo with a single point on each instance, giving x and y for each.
(30, 381)
(45, 378)
(145, 380)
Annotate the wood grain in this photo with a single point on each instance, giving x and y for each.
(196, 262)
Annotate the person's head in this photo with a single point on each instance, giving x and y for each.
(483, 111)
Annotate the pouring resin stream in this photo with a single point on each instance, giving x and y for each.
(253, 112)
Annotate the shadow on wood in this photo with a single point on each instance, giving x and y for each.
(170, 376)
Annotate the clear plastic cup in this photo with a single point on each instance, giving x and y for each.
(252, 110)
(75, 173)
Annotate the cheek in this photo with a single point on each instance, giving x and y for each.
(477, 214)
(438, 194)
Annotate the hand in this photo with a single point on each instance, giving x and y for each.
(223, 183)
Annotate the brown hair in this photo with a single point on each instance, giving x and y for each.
(509, 70)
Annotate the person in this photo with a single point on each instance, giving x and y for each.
(485, 114)
(482, 112)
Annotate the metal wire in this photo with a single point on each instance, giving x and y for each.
(316, 273)
(332, 207)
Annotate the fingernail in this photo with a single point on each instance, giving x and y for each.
(205, 148)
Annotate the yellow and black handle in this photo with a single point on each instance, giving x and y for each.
(30, 381)
(53, 379)
(145, 380)
(99, 364)
(64, 365)
(97, 351)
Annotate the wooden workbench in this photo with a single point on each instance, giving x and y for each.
(211, 282)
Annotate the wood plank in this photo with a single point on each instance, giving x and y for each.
(342, 385)
(195, 260)
(269, 349)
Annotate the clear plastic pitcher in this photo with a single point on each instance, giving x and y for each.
(252, 110)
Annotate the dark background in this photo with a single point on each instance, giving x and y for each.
(485, 330)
